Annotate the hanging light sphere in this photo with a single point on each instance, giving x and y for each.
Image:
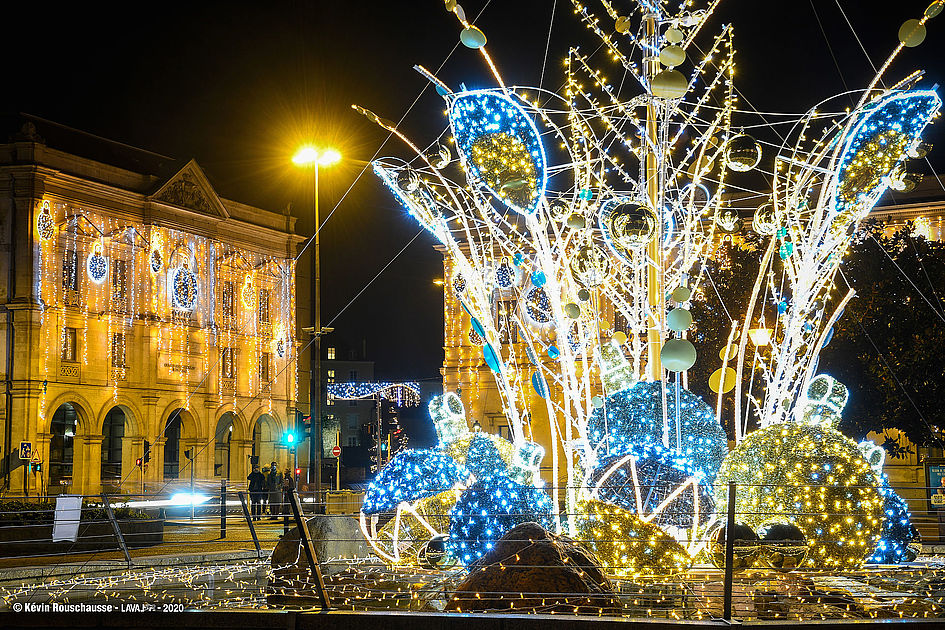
(765, 221)
(678, 320)
(408, 180)
(628, 226)
(672, 56)
(669, 84)
(589, 266)
(912, 33)
(678, 355)
(674, 35)
(572, 310)
(584, 295)
(742, 153)
(728, 221)
(681, 294)
(577, 221)
(439, 156)
(472, 37)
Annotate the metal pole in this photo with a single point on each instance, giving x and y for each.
(315, 380)
(190, 456)
(729, 555)
(305, 540)
(654, 275)
(338, 463)
(223, 508)
(249, 521)
(116, 529)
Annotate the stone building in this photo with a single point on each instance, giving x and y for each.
(144, 317)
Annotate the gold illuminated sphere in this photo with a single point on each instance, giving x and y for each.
(813, 477)
(625, 544)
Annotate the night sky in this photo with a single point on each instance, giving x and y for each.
(240, 85)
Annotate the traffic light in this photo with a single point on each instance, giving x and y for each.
(298, 471)
(138, 462)
(289, 437)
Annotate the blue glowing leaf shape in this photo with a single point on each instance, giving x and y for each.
(875, 146)
(538, 382)
(499, 146)
(419, 203)
(492, 358)
(411, 475)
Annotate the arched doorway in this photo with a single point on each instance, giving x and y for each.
(265, 436)
(172, 433)
(113, 430)
(221, 450)
(62, 428)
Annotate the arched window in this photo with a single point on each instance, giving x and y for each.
(113, 430)
(264, 439)
(172, 446)
(62, 428)
(221, 451)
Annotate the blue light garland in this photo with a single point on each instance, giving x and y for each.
(898, 530)
(632, 418)
(409, 476)
(490, 508)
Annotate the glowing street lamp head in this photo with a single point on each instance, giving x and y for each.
(309, 156)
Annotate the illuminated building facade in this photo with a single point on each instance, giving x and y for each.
(145, 317)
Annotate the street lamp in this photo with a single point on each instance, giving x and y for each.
(314, 158)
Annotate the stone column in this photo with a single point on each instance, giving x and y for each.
(87, 464)
(154, 475)
(240, 450)
(132, 448)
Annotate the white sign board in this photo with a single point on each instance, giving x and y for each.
(68, 514)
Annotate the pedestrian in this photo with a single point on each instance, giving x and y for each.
(274, 486)
(257, 488)
(288, 485)
(265, 500)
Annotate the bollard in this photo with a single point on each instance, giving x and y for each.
(223, 508)
(729, 555)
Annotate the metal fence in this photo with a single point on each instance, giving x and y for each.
(234, 551)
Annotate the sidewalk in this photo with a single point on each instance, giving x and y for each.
(185, 542)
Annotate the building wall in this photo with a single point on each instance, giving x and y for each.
(179, 282)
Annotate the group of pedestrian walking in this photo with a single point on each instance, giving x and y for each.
(270, 489)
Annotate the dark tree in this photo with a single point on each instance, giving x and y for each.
(887, 346)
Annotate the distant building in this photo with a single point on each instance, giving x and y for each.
(144, 317)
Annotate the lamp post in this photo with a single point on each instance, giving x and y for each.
(310, 157)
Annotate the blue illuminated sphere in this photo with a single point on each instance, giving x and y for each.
(897, 528)
(488, 509)
(411, 475)
(632, 419)
(483, 458)
(659, 472)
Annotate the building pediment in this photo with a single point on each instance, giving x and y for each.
(190, 189)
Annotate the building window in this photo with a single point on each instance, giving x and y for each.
(331, 376)
(227, 300)
(504, 321)
(264, 317)
(119, 274)
(353, 440)
(620, 323)
(69, 344)
(229, 363)
(70, 267)
(118, 350)
(265, 367)
(331, 354)
(353, 376)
